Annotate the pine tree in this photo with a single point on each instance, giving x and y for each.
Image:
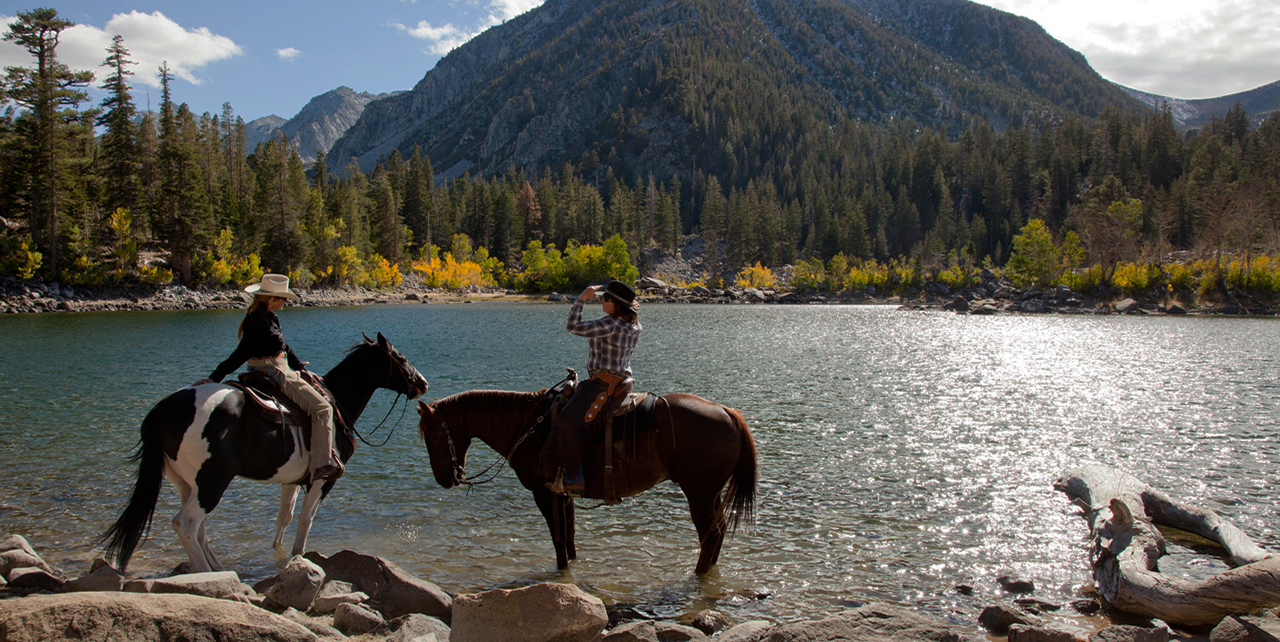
(119, 151)
(45, 91)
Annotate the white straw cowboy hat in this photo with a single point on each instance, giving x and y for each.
(273, 285)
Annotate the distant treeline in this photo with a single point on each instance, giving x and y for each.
(83, 189)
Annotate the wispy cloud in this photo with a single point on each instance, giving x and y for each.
(445, 38)
(151, 38)
(440, 40)
(288, 53)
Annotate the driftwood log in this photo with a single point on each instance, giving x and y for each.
(1122, 513)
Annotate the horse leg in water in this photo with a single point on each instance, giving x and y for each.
(707, 513)
(188, 521)
(569, 529)
(309, 505)
(288, 497)
(553, 509)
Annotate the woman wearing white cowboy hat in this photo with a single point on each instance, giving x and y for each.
(262, 345)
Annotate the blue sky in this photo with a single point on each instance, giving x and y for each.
(271, 57)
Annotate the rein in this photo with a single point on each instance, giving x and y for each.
(387, 385)
(525, 433)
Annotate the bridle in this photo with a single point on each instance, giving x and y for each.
(527, 429)
(391, 368)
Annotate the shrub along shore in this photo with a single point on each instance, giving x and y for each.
(988, 294)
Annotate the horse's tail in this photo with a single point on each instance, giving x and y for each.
(135, 520)
(740, 494)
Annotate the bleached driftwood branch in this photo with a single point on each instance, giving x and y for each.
(1122, 513)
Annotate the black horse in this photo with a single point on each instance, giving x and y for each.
(201, 437)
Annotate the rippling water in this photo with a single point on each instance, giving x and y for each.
(900, 453)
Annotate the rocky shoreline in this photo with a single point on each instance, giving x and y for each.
(992, 296)
(353, 596)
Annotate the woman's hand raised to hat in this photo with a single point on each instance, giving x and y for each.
(592, 292)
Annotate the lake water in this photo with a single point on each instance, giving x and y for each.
(901, 453)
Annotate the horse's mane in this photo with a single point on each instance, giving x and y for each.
(485, 397)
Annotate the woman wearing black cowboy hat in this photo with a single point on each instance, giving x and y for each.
(611, 338)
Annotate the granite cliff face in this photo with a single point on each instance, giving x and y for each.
(321, 122)
(660, 86)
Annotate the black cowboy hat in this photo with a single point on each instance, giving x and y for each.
(621, 294)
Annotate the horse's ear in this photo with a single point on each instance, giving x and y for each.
(366, 338)
(382, 341)
(424, 409)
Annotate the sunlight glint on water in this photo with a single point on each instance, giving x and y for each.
(900, 453)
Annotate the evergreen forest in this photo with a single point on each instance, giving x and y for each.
(103, 194)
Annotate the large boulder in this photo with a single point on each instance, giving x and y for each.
(102, 577)
(223, 585)
(745, 631)
(639, 631)
(871, 623)
(997, 618)
(34, 579)
(1246, 628)
(298, 584)
(16, 553)
(391, 590)
(413, 627)
(141, 618)
(334, 593)
(355, 619)
(540, 613)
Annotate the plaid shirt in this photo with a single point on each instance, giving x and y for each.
(611, 341)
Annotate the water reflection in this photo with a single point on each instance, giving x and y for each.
(900, 453)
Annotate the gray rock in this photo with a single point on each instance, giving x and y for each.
(354, 619)
(985, 309)
(334, 593)
(1032, 306)
(1024, 633)
(36, 579)
(642, 631)
(127, 616)
(701, 291)
(15, 559)
(413, 627)
(1128, 305)
(650, 283)
(1086, 607)
(321, 629)
(710, 622)
(1015, 584)
(540, 613)
(1175, 309)
(103, 578)
(1126, 633)
(300, 582)
(672, 632)
(871, 623)
(957, 304)
(745, 631)
(1246, 628)
(217, 584)
(394, 591)
(997, 618)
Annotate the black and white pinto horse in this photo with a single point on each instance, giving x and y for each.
(202, 437)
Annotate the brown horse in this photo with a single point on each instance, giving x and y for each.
(704, 447)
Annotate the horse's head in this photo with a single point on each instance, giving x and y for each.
(446, 445)
(400, 375)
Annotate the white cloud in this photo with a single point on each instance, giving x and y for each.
(445, 38)
(151, 38)
(288, 53)
(1177, 48)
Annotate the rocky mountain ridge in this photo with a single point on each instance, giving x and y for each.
(650, 85)
(1259, 103)
(321, 122)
